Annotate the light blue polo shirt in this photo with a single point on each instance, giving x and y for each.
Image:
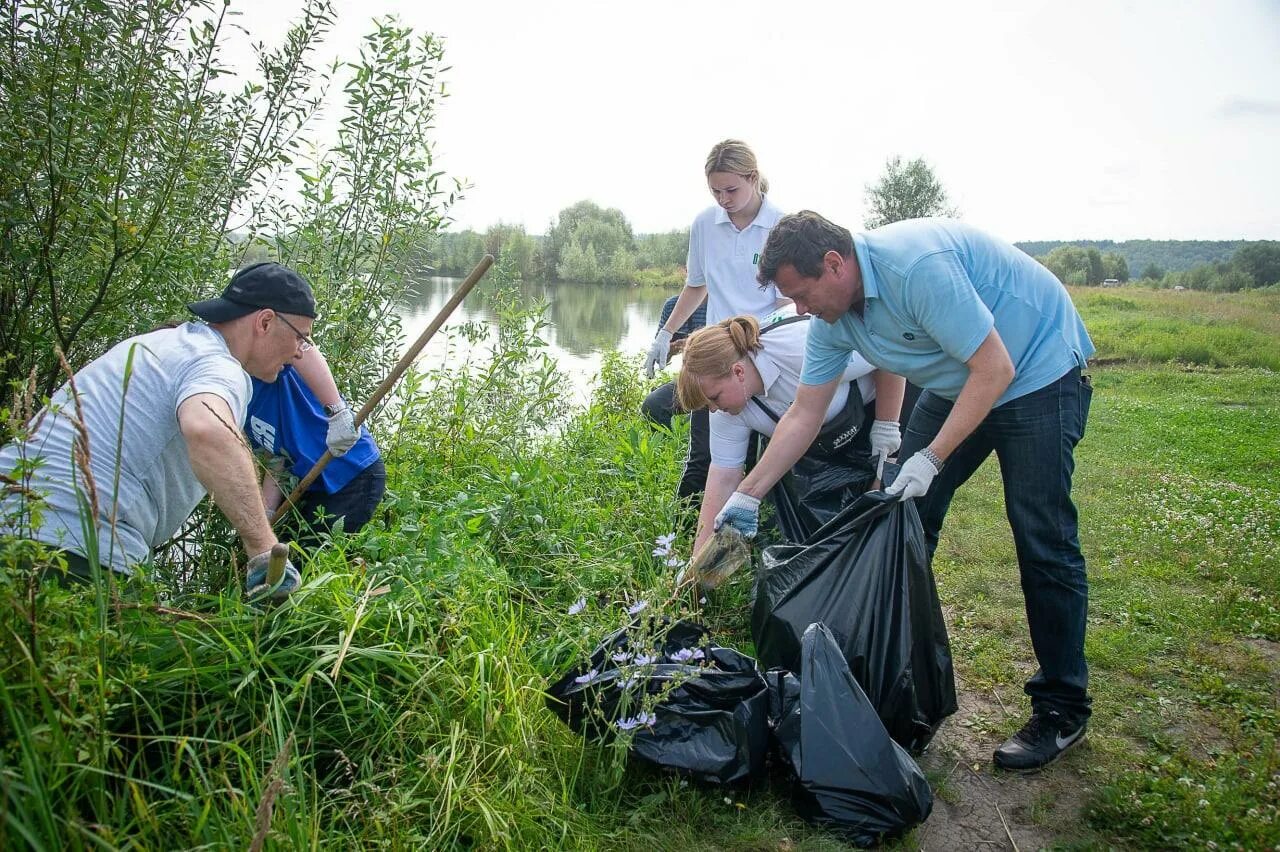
(934, 289)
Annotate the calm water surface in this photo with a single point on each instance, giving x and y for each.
(587, 320)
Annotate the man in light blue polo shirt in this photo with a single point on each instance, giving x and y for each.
(996, 343)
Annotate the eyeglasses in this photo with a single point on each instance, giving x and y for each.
(305, 344)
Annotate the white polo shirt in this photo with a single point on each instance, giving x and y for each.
(779, 360)
(725, 261)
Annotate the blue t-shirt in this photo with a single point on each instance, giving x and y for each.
(285, 419)
(934, 289)
(696, 320)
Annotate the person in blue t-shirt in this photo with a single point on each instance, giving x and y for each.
(294, 420)
(997, 345)
(660, 404)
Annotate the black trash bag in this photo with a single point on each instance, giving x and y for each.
(850, 776)
(814, 491)
(712, 725)
(866, 576)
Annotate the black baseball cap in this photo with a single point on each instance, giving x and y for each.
(263, 285)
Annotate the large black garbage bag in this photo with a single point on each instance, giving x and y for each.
(866, 576)
(815, 490)
(850, 776)
(712, 725)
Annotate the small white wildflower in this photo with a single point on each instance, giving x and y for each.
(578, 606)
(638, 606)
(684, 655)
(588, 677)
(620, 656)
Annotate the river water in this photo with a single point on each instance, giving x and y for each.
(587, 320)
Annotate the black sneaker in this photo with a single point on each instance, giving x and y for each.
(1044, 739)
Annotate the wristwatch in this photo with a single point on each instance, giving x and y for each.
(933, 458)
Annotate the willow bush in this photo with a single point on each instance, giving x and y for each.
(138, 169)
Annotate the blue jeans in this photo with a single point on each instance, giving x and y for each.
(1034, 437)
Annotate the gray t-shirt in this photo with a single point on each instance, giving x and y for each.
(154, 487)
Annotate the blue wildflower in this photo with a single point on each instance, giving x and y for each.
(588, 677)
(664, 544)
(578, 606)
(684, 655)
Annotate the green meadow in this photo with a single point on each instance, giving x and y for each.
(396, 701)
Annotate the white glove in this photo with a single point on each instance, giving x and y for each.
(342, 434)
(255, 582)
(914, 478)
(886, 437)
(659, 351)
(742, 512)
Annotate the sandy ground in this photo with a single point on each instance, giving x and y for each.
(978, 807)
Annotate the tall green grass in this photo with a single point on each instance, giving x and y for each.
(1188, 326)
(397, 698)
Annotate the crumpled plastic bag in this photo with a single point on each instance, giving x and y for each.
(814, 491)
(850, 776)
(711, 719)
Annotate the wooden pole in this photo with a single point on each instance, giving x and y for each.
(390, 381)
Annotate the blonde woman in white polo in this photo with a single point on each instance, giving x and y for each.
(725, 242)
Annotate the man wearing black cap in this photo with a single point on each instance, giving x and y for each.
(162, 413)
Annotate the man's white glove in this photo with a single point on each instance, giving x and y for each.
(742, 512)
(915, 477)
(255, 581)
(886, 437)
(659, 352)
(342, 434)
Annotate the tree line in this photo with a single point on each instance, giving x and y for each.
(591, 244)
(1250, 265)
(586, 243)
(1141, 255)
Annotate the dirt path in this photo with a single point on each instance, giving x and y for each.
(975, 807)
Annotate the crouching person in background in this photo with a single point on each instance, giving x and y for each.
(294, 420)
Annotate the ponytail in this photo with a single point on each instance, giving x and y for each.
(711, 353)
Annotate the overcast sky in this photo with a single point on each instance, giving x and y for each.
(1044, 120)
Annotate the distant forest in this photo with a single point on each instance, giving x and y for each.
(1167, 255)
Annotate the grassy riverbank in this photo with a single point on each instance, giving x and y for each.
(396, 701)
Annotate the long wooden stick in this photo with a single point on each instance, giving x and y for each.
(394, 376)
